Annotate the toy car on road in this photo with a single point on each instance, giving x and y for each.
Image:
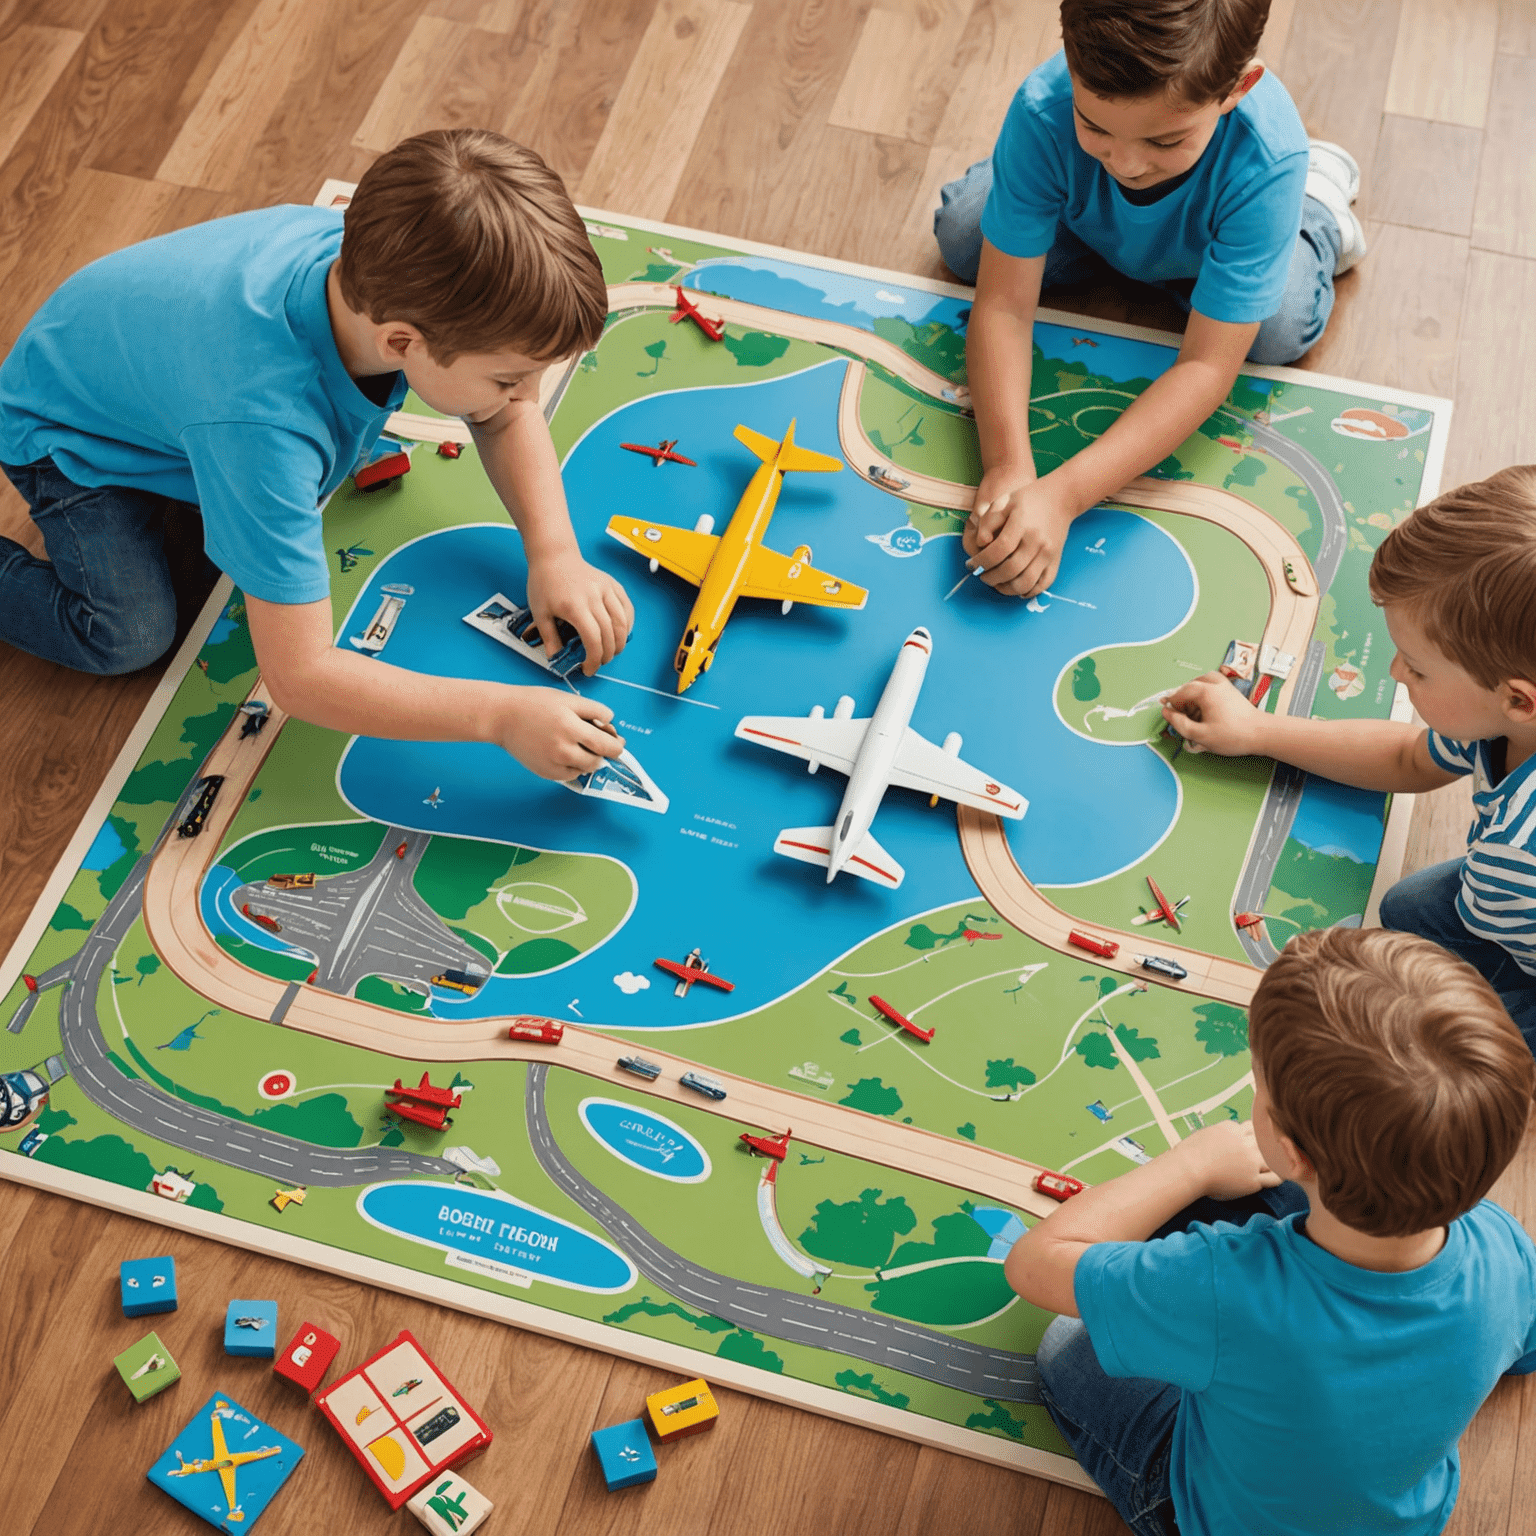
(1059, 1186)
(702, 1084)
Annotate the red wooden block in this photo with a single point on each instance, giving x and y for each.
(308, 1357)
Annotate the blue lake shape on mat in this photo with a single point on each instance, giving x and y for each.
(1340, 820)
(105, 851)
(497, 1228)
(645, 1140)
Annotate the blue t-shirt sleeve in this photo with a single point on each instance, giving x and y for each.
(1453, 756)
(1243, 275)
(1029, 184)
(258, 488)
(1150, 1308)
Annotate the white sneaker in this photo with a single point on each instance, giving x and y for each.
(1337, 164)
(1351, 236)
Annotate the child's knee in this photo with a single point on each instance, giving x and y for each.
(112, 646)
(1283, 338)
(1059, 1347)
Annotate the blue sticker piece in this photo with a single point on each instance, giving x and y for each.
(646, 1140)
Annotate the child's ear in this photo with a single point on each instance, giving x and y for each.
(1520, 701)
(1250, 78)
(1300, 1169)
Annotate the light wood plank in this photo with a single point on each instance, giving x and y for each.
(1423, 174)
(483, 15)
(890, 84)
(1488, 1449)
(1438, 828)
(34, 58)
(1517, 26)
(1505, 216)
(1071, 1512)
(1003, 41)
(638, 161)
(948, 1497)
(418, 72)
(240, 96)
(1442, 66)
(1277, 30)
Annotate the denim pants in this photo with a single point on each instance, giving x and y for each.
(1121, 1428)
(103, 601)
(1284, 337)
(1425, 903)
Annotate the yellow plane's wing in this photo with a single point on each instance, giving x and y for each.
(683, 551)
(782, 578)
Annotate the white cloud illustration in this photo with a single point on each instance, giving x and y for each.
(628, 983)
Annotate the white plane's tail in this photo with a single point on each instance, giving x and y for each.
(813, 845)
(788, 455)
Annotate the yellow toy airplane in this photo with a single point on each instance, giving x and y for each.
(736, 563)
(224, 1462)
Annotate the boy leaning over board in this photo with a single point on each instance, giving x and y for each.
(1457, 587)
(245, 365)
(1157, 143)
(1314, 1372)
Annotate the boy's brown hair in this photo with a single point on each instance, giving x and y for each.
(473, 240)
(1465, 565)
(1394, 1068)
(1192, 50)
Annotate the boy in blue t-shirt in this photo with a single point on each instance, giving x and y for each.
(1155, 142)
(1457, 586)
(246, 365)
(1315, 1372)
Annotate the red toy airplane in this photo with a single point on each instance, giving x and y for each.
(776, 1147)
(424, 1104)
(662, 453)
(692, 969)
(714, 329)
(883, 1007)
(1164, 906)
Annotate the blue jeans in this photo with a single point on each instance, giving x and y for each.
(1121, 1428)
(1425, 903)
(103, 601)
(1285, 336)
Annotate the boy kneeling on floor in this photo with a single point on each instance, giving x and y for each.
(1313, 1368)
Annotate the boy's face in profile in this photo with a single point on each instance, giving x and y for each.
(1448, 699)
(475, 385)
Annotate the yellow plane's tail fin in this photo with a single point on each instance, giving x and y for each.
(788, 455)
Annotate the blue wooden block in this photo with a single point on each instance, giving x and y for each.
(189, 1469)
(148, 1285)
(624, 1451)
(250, 1328)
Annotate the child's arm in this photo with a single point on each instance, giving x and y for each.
(1221, 1160)
(1388, 755)
(553, 733)
(1020, 523)
(519, 460)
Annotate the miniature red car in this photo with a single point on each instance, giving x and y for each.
(776, 1147)
(449, 450)
(402, 850)
(382, 472)
(529, 1026)
(271, 924)
(881, 1006)
(31, 982)
(1105, 947)
(1059, 1186)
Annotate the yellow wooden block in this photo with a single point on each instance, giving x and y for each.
(683, 1410)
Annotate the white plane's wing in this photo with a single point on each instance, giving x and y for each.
(932, 771)
(813, 845)
(833, 742)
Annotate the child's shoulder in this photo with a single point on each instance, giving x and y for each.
(1267, 121)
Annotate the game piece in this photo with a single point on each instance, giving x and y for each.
(681, 1411)
(662, 453)
(1164, 907)
(1105, 947)
(887, 478)
(402, 1421)
(701, 1083)
(527, 1026)
(1059, 1186)
(283, 1198)
(621, 780)
(900, 1019)
(424, 1104)
(875, 753)
(776, 1147)
(257, 713)
(685, 309)
(1300, 579)
(148, 1285)
(513, 626)
(448, 1506)
(640, 1067)
(737, 563)
(147, 1367)
(1241, 658)
(692, 968)
(449, 450)
(1162, 966)
(1249, 920)
(382, 625)
(208, 787)
(308, 1356)
(454, 980)
(625, 1455)
(250, 1328)
(226, 1465)
(382, 472)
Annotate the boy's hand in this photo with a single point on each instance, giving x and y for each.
(1211, 713)
(589, 600)
(1016, 530)
(1224, 1161)
(556, 734)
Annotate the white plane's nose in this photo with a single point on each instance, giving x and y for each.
(921, 634)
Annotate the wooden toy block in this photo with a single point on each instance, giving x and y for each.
(448, 1506)
(625, 1455)
(226, 1465)
(308, 1356)
(681, 1411)
(148, 1285)
(250, 1328)
(147, 1368)
(401, 1420)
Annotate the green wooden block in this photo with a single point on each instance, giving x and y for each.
(147, 1367)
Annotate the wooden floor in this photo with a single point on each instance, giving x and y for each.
(824, 125)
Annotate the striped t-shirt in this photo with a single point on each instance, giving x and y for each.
(1498, 879)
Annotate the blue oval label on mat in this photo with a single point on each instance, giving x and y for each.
(646, 1140)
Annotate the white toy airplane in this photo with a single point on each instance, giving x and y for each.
(875, 753)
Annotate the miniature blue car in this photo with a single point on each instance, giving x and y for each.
(641, 1067)
(1162, 966)
(701, 1084)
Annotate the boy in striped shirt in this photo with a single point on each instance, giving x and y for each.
(1457, 586)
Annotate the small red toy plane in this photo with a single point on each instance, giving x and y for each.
(662, 453)
(714, 329)
(1164, 906)
(776, 1147)
(880, 1005)
(424, 1104)
(691, 969)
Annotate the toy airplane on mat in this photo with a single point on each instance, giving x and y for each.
(737, 564)
(663, 453)
(223, 1461)
(685, 309)
(875, 753)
